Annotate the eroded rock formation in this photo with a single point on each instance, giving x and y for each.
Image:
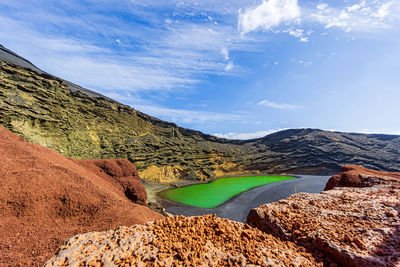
(182, 241)
(46, 198)
(358, 176)
(348, 226)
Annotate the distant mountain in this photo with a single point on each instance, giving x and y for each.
(312, 150)
(80, 123)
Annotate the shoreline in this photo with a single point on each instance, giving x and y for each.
(211, 181)
(238, 206)
(153, 188)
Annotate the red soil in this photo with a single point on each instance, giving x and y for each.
(358, 176)
(46, 198)
(120, 173)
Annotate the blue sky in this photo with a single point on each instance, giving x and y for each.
(237, 69)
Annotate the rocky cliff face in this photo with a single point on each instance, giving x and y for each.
(45, 198)
(346, 226)
(45, 111)
(82, 124)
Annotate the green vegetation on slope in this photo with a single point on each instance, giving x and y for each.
(213, 194)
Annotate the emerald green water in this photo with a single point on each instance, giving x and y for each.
(217, 192)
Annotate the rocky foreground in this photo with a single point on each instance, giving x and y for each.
(346, 226)
(190, 241)
(46, 198)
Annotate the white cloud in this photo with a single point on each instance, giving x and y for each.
(225, 53)
(154, 59)
(246, 136)
(304, 39)
(383, 11)
(299, 33)
(363, 16)
(259, 134)
(276, 105)
(305, 63)
(282, 16)
(379, 131)
(268, 15)
(322, 6)
(229, 66)
(296, 33)
(175, 60)
(186, 116)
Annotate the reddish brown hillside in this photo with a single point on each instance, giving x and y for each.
(46, 198)
(119, 172)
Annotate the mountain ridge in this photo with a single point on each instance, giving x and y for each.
(44, 109)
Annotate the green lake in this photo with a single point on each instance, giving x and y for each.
(213, 194)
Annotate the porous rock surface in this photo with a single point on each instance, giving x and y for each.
(358, 176)
(46, 198)
(346, 226)
(181, 241)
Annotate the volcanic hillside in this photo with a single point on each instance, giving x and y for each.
(80, 123)
(45, 198)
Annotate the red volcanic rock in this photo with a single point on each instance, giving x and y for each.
(179, 241)
(346, 226)
(119, 172)
(46, 198)
(357, 176)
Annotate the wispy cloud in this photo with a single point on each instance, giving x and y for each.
(379, 131)
(171, 50)
(259, 134)
(272, 104)
(187, 116)
(288, 16)
(362, 16)
(299, 33)
(143, 49)
(167, 51)
(246, 136)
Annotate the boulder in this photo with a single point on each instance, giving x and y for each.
(358, 176)
(345, 225)
(181, 241)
